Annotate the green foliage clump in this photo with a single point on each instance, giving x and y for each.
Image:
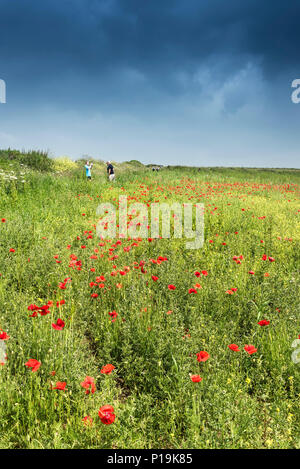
(35, 159)
(64, 164)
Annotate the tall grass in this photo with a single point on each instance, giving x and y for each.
(243, 401)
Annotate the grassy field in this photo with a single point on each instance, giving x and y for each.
(50, 256)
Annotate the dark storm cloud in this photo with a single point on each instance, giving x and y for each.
(95, 38)
(208, 79)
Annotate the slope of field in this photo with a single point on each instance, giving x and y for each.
(117, 307)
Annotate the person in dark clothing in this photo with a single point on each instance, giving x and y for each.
(110, 171)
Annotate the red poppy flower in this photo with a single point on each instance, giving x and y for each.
(250, 349)
(33, 364)
(202, 356)
(3, 335)
(192, 290)
(89, 385)
(3, 363)
(59, 325)
(234, 347)
(42, 310)
(196, 378)
(171, 287)
(154, 278)
(88, 420)
(107, 369)
(60, 385)
(3, 220)
(106, 414)
(113, 314)
(263, 322)
(100, 278)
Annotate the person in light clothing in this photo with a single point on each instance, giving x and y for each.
(88, 168)
(110, 171)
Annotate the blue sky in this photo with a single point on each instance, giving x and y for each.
(173, 82)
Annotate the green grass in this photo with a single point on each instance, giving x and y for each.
(243, 401)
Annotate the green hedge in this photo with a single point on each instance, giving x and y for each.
(34, 159)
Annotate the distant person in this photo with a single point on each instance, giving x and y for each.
(110, 171)
(88, 168)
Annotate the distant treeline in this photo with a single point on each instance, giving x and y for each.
(41, 161)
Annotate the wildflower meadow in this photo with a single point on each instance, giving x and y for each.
(140, 342)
